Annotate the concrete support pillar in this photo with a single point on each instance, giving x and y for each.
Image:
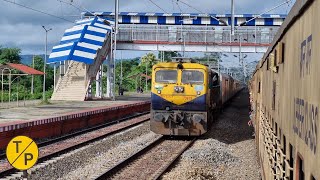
(101, 87)
(89, 93)
(61, 68)
(54, 75)
(99, 83)
(109, 77)
(66, 65)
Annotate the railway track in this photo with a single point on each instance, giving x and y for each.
(63, 144)
(150, 162)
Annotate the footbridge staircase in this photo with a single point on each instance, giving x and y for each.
(82, 50)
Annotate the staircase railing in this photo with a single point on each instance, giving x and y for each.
(58, 85)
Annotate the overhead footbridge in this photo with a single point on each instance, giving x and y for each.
(85, 46)
(81, 52)
(194, 32)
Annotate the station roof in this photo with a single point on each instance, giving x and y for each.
(182, 14)
(82, 42)
(20, 67)
(191, 18)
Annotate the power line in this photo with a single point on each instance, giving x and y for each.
(70, 5)
(172, 5)
(158, 6)
(222, 21)
(190, 6)
(179, 7)
(288, 7)
(287, 1)
(66, 15)
(80, 8)
(61, 9)
(39, 11)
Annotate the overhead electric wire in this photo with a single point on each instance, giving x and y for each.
(39, 11)
(223, 22)
(217, 46)
(70, 5)
(158, 6)
(172, 5)
(190, 6)
(80, 8)
(179, 7)
(288, 7)
(61, 8)
(287, 1)
(62, 11)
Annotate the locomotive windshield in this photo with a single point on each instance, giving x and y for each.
(166, 76)
(192, 77)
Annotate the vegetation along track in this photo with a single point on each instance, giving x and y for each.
(150, 162)
(63, 144)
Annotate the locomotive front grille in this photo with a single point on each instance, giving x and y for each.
(180, 119)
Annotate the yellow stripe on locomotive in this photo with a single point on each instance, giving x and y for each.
(185, 96)
(179, 90)
(178, 99)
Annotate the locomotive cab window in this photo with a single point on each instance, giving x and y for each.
(192, 77)
(166, 76)
(215, 79)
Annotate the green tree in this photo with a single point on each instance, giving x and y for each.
(9, 55)
(145, 67)
(38, 80)
(214, 56)
(209, 58)
(168, 55)
(128, 69)
(21, 86)
(149, 59)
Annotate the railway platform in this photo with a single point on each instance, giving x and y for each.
(61, 117)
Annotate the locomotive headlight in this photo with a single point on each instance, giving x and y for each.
(181, 89)
(159, 92)
(176, 89)
(198, 92)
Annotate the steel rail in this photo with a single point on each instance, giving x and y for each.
(107, 174)
(90, 129)
(169, 165)
(76, 146)
(122, 164)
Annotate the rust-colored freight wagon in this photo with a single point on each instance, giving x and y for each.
(285, 97)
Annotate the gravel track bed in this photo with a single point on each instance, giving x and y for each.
(61, 145)
(78, 159)
(227, 151)
(147, 165)
(110, 158)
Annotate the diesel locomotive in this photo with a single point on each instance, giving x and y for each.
(185, 95)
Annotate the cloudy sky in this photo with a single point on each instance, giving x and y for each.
(21, 27)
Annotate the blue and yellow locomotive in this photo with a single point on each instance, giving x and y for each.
(184, 97)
